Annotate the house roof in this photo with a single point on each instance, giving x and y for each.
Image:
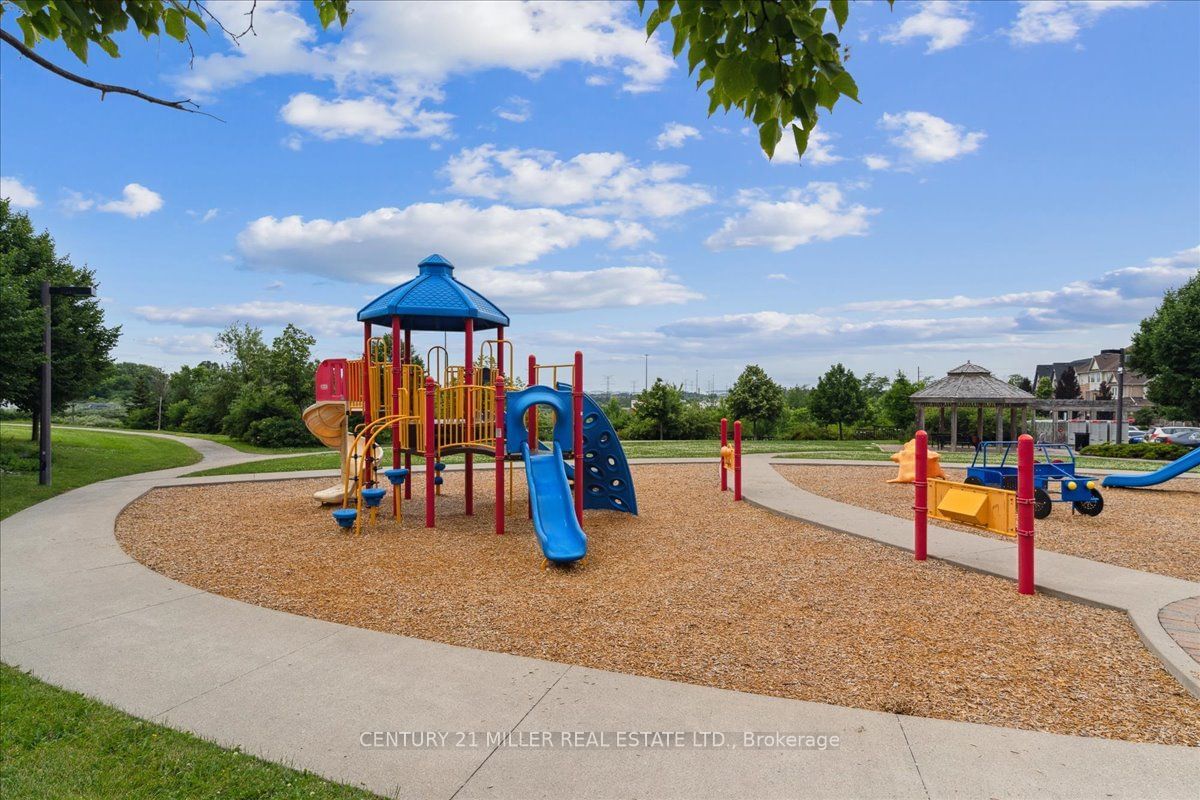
(971, 384)
(434, 301)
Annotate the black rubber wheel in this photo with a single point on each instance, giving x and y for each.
(971, 479)
(1091, 508)
(1041, 504)
(1009, 482)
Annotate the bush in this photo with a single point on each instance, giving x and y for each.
(279, 432)
(1155, 450)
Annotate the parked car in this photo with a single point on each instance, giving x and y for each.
(1164, 433)
(1134, 434)
(1188, 438)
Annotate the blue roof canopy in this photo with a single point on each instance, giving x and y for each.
(434, 301)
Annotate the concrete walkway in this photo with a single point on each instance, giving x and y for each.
(78, 612)
(1140, 594)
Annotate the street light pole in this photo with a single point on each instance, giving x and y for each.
(45, 459)
(1120, 351)
(646, 378)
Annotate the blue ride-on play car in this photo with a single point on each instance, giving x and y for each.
(995, 465)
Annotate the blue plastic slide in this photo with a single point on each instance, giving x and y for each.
(558, 531)
(1172, 470)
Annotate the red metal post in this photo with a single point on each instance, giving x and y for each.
(368, 414)
(430, 456)
(500, 348)
(1025, 514)
(577, 402)
(531, 419)
(724, 444)
(500, 455)
(412, 391)
(469, 416)
(921, 497)
(737, 460)
(397, 361)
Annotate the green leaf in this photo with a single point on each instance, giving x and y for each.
(326, 13)
(767, 74)
(680, 39)
(109, 46)
(77, 44)
(733, 76)
(826, 93)
(31, 34)
(769, 135)
(655, 19)
(801, 137)
(174, 23)
(196, 19)
(841, 11)
(846, 85)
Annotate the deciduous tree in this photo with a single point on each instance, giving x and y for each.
(755, 397)
(838, 398)
(1166, 349)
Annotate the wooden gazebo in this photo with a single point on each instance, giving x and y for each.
(972, 386)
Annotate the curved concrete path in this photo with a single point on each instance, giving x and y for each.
(78, 612)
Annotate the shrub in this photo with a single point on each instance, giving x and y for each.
(279, 432)
(1154, 450)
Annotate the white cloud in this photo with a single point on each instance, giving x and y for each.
(1118, 296)
(674, 135)
(874, 161)
(17, 193)
(274, 286)
(381, 246)
(293, 142)
(818, 153)
(312, 317)
(368, 118)
(562, 290)
(942, 23)
(515, 109)
(818, 212)
(185, 344)
(135, 201)
(395, 57)
(595, 183)
(1055, 21)
(931, 139)
(778, 276)
(207, 216)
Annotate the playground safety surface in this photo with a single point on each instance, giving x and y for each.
(698, 589)
(1154, 530)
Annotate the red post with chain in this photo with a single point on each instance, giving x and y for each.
(724, 444)
(531, 420)
(577, 445)
(921, 496)
(1025, 584)
(737, 460)
(469, 434)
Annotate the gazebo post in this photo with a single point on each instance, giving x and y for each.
(979, 423)
(1012, 424)
(920, 418)
(999, 423)
(953, 427)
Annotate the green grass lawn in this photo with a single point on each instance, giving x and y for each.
(55, 743)
(685, 448)
(80, 457)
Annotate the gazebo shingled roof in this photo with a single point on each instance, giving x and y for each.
(434, 301)
(969, 385)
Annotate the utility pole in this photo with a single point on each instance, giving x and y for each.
(45, 458)
(607, 390)
(646, 380)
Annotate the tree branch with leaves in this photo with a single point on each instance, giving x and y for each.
(771, 59)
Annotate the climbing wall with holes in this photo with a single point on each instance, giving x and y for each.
(607, 484)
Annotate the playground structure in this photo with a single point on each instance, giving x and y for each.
(906, 460)
(1056, 466)
(926, 491)
(474, 408)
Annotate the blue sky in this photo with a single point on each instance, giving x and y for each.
(1020, 184)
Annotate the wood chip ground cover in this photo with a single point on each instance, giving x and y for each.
(1154, 529)
(697, 589)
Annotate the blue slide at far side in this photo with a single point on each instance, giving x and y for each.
(1165, 473)
(558, 531)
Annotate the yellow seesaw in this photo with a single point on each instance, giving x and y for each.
(971, 504)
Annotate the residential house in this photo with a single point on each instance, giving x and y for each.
(1102, 369)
